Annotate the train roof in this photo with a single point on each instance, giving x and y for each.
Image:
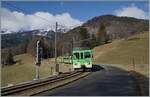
(81, 49)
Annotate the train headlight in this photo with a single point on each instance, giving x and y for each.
(89, 63)
(77, 64)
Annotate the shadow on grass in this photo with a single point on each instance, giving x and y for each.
(9, 64)
(19, 62)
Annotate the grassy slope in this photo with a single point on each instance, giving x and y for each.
(24, 70)
(118, 52)
(122, 52)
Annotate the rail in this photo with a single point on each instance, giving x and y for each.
(41, 85)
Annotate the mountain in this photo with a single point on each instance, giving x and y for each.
(25, 42)
(117, 27)
(13, 39)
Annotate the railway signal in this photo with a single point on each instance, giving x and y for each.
(38, 58)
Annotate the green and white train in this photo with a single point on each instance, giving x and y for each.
(80, 59)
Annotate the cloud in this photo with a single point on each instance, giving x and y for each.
(132, 11)
(15, 21)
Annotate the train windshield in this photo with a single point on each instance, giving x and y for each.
(87, 55)
(76, 55)
(81, 55)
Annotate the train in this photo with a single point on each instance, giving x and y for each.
(80, 59)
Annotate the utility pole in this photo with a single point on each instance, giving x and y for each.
(72, 45)
(62, 53)
(73, 40)
(57, 67)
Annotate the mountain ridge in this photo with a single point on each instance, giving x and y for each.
(117, 27)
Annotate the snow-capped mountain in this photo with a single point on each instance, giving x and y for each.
(5, 31)
(10, 38)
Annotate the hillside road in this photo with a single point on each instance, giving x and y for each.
(105, 80)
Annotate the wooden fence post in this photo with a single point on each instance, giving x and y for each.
(51, 70)
(133, 63)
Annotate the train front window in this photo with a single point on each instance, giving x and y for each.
(81, 55)
(87, 55)
(76, 55)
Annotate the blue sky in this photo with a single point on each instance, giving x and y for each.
(79, 10)
(68, 14)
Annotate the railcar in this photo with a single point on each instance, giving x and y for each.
(80, 59)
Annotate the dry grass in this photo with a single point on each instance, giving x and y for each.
(123, 52)
(23, 70)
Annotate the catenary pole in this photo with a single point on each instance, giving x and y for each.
(57, 68)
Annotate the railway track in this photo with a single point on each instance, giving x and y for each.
(37, 86)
